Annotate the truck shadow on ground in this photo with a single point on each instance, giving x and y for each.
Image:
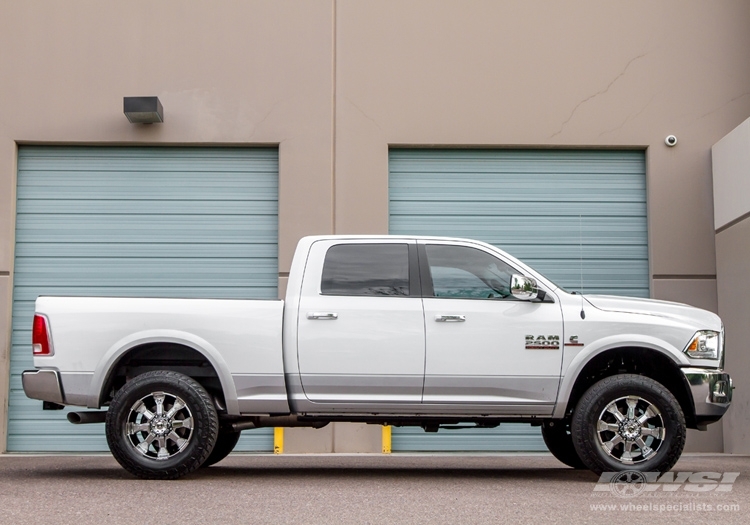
(305, 474)
(416, 473)
(354, 469)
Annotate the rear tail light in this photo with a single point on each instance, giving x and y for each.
(40, 340)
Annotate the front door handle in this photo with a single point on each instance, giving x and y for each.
(450, 318)
(323, 316)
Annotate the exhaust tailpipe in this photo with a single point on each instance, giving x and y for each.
(82, 418)
(275, 421)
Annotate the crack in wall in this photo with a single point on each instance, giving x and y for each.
(364, 114)
(628, 119)
(735, 99)
(268, 114)
(598, 93)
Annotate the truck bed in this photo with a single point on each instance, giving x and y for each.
(240, 338)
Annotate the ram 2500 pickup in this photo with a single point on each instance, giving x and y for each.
(429, 332)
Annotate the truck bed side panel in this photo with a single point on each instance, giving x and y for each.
(241, 339)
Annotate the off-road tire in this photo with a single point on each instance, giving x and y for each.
(591, 438)
(199, 423)
(225, 443)
(559, 441)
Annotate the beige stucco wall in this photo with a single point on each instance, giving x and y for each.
(731, 176)
(227, 73)
(733, 255)
(336, 83)
(731, 169)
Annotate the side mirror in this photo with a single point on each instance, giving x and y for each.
(523, 288)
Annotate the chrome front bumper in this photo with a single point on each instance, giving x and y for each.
(711, 390)
(43, 384)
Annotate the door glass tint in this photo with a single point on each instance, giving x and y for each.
(467, 273)
(366, 269)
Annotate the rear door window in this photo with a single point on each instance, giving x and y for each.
(366, 270)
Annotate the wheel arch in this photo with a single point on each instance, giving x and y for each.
(172, 350)
(631, 360)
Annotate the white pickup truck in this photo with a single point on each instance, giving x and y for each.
(404, 331)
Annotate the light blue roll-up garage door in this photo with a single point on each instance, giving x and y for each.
(135, 222)
(579, 217)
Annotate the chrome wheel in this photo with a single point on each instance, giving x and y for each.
(159, 425)
(630, 430)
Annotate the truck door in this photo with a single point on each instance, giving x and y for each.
(485, 348)
(361, 338)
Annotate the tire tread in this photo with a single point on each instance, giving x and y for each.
(605, 387)
(205, 440)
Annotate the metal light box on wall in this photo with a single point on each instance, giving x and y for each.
(143, 110)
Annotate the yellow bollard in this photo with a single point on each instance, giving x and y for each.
(386, 439)
(278, 440)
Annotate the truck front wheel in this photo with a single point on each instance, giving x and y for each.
(161, 425)
(628, 422)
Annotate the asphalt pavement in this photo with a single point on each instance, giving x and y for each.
(377, 489)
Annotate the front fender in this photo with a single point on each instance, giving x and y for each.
(121, 347)
(573, 369)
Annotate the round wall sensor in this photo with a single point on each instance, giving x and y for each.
(670, 141)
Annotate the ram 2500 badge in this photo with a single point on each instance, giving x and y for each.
(430, 332)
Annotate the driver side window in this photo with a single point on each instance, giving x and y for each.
(460, 272)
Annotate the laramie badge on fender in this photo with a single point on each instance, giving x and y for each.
(550, 342)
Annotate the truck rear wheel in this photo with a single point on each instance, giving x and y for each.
(559, 441)
(628, 422)
(161, 425)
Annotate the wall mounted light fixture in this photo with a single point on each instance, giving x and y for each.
(143, 110)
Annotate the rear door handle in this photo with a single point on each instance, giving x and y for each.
(450, 318)
(323, 316)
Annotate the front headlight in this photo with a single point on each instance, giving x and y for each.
(704, 345)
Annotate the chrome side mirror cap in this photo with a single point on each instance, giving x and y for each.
(523, 288)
